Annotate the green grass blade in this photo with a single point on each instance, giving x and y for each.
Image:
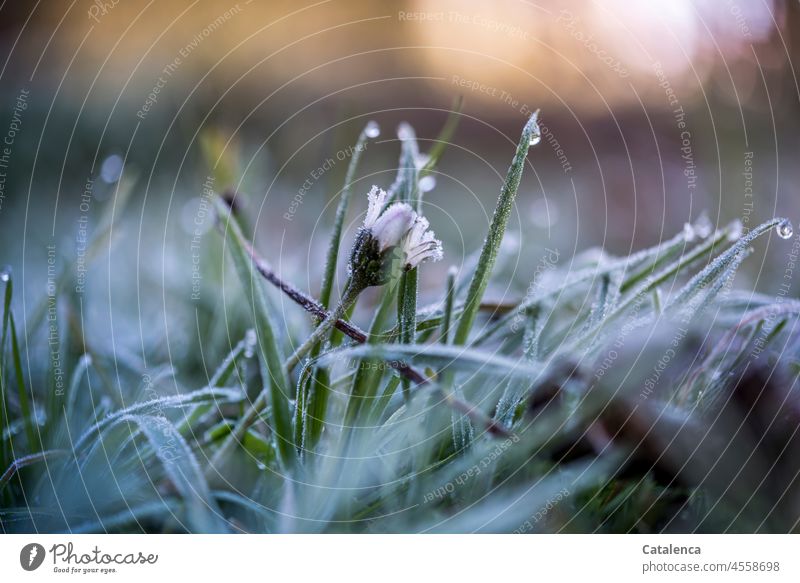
(367, 379)
(445, 135)
(27, 461)
(409, 192)
(181, 467)
(28, 415)
(135, 514)
(439, 356)
(5, 454)
(332, 258)
(718, 267)
(314, 400)
(152, 406)
(449, 301)
(497, 230)
(277, 383)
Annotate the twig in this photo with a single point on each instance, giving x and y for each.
(305, 301)
(314, 307)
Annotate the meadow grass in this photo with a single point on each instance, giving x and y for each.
(620, 394)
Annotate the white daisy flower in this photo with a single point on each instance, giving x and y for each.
(421, 245)
(392, 226)
(389, 235)
(377, 202)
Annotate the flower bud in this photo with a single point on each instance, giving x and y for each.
(390, 237)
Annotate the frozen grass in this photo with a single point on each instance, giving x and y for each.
(625, 394)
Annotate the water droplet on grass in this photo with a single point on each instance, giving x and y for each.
(372, 130)
(535, 139)
(405, 132)
(250, 340)
(785, 229)
(688, 232)
(5, 274)
(703, 226)
(111, 169)
(735, 230)
(427, 183)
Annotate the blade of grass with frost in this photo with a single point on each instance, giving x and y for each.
(366, 382)
(135, 514)
(652, 282)
(717, 286)
(435, 153)
(81, 370)
(314, 400)
(516, 388)
(183, 470)
(462, 429)
(408, 192)
(449, 301)
(507, 510)
(276, 391)
(27, 461)
(497, 229)
(243, 349)
(5, 454)
(53, 401)
(446, 357)
(720, 264)
(647, 260)
(220, 377)
(28, 414)
(266, 515)
(443, 139)
(154, 406)
(660, 254)
(371, 130)
(429, 317)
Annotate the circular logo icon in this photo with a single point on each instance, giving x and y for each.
(31, 556)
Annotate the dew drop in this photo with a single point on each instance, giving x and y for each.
(785, 229)
(735, 230)
(688, 232)
(427, 183)
(372, 130)
(111, 169)
(250, 340)
(422, 160)
(535, 139)
(5, 274)
(405, 132)
(703, 226)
